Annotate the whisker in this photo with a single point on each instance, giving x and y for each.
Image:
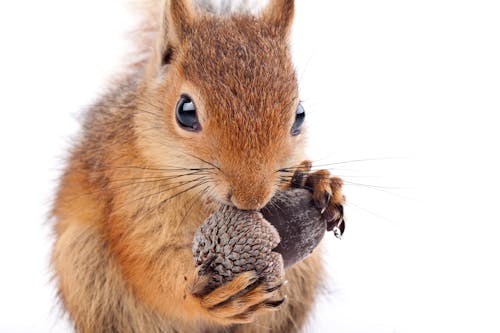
(350, 203)
(376, 186)
(162, 191)
(178, 183)
(193, 201)
(159, 178)
(343, 176)
(293, 168)
(384, 191)
(199, 158)
(347, 182)
(161, 203)
(360, 160)
(305, 68)
(157, 169)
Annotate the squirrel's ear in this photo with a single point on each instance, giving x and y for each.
(178, 17)
(176, 21)
(279, 15)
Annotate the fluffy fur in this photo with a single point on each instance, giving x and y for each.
(137, 186)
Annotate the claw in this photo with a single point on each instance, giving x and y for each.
(270, 290)
(337, 232)
(328, 197)
(275, 304)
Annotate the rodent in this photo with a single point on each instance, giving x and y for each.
(211, 117)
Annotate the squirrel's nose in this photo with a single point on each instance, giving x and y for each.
(249, 198)
(251, 204)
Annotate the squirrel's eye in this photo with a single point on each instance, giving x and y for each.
(300, 115)
(185, 112)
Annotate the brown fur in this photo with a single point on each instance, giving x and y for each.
(128, 204)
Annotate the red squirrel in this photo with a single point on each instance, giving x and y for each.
(211, 117)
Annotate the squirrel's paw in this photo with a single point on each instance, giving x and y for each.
(327, 194)
(239, 300)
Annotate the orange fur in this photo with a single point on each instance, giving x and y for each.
(128, 205)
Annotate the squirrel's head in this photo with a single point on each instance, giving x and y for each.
(221, 95)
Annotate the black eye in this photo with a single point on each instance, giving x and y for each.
(185, 112)
(300, 115)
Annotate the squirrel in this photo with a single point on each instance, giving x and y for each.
(211, 117)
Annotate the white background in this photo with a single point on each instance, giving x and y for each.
(412, 84)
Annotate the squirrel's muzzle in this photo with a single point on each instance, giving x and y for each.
(251, 193)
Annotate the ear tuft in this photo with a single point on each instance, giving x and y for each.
(176, 22)
(180, 14)
(279, 14)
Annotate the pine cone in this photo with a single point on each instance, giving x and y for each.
(232, 241)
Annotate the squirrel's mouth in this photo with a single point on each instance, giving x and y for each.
(228, 199)
(244, 193)
(249, 200)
